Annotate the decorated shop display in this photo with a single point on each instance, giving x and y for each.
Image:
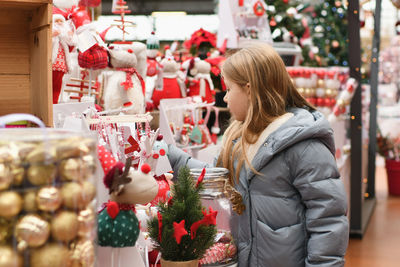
(173, 84)
(47, 215)
(183, 229)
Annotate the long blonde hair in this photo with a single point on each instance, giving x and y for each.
(271, 93)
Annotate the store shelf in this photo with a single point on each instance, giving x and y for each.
(25, 58)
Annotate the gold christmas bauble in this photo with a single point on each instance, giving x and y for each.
(41, 153)
(89, 192)
(31, 231)
(5, 176)
(9, 257)
(89, 166)
(74, 147)
(5, 155)
(10, 204)
(41, 174)
(335, 92)
(48, 198)
(86, 222)
(17, 173)
(328, 93)
(24, 149)
(82, 254)
(301, 90)
(312, 92)
(64, 226)
(30, 201)
(321, 83)
(75, 196)
(70, 169)
(51, 255)
(307, 92)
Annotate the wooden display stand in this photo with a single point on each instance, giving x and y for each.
(25, 58)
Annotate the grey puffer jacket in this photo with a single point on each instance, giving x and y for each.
(296, 211)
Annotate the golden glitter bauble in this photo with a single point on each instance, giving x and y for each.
(31, 231)
(73, 196)
(321, 83)
(9, 257)
(5, 155)
(83, 254)
(41, 153)
(301, 90)
(89, 192)
(17, 174)
(64, 226)
(73, 148)
(5, 176)
(312, 92)
(24, 149)
(89, 166)
(30, 201)
(51, 255)
(86, 222)
(48, 198)
(41, 174)
(335, 92)
(10, 204)
(307, 92)
(5, 230)
(71, 169)
(328, 93)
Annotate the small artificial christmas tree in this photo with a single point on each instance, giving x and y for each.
(183, 230)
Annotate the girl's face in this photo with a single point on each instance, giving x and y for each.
(237, 99)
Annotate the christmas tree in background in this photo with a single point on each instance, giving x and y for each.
(183, 229)
(288, 23)
(329, 33)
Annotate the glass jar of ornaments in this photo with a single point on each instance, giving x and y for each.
(47, 193)
(216, 197)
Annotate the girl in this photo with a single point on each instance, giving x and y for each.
(280, 154)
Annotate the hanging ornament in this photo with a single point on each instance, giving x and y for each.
(201, 177)
(285, 1)
(241, 2)
(179, 231)
(258, 9)
(272, 22)
(338, 3)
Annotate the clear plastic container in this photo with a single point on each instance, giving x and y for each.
(214, 195)
(47, 198)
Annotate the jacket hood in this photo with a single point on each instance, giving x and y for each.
(303, 125)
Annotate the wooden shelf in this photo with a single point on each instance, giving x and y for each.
(25, 58)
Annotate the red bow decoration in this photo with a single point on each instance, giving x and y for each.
(134, 145)
(201, 177)
(179, 231)
(208, 219)
(159, 216)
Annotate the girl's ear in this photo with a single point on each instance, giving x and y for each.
(247, 88)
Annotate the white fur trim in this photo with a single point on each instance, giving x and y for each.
(203, 77)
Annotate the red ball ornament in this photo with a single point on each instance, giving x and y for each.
(272, 22)
(320, 102)
(146, 168)
(258, 9)
(332, 102)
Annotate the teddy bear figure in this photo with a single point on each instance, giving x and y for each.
(123, 84)
(173, 85)
(118, 225)
(201, 83)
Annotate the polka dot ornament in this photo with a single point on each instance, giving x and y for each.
(123, 231)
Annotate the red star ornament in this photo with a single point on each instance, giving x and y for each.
(211, 217)
(179, 231)
(194, 227)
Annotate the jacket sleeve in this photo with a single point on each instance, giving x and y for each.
(178, 158)
(317, 179)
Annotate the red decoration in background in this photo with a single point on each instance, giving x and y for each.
(201, 177)
(179, 231)
(94, 58)
(134, 145)
(90, 3)
(258, 9)
(241, 2)
(211, 217)
(199, 37)
(159, 216)
(272, 22)
(80, 18)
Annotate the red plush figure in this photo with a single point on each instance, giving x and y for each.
(173, 85)
(201, 84)
(62, 39)
(154, 68)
